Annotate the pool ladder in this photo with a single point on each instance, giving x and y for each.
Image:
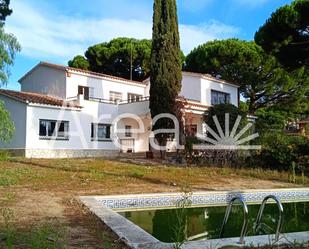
(258, 220)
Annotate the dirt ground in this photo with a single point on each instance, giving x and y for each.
(46, 191)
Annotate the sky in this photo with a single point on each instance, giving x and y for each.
(57, 30)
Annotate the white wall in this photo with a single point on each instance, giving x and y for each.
(141, 136)
(102, 87)
(208, 85)
(18, 116)
(191, 87)
(137, 108)
(79, 127)
(197, 88)
(45, 80)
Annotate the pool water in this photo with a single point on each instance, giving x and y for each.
(172, 225)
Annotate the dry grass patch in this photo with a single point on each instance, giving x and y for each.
(38, 195)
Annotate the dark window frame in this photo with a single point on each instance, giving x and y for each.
(128, 131)
(54, 133)
(85, 91)
(227, 97)
(94, 132)
(191, 130)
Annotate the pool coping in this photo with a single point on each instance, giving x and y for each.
(136, 238)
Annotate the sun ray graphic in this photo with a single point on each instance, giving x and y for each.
(228, 139)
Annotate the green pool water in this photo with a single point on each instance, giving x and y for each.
(171, 225)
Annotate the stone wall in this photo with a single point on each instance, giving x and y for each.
(15, 152)
(35, 153)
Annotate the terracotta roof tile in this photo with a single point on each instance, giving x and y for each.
(37, 98)
(71, 69)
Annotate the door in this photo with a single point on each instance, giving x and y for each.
(84, 90)
(127, 145)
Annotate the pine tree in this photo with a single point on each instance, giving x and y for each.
(165, 75)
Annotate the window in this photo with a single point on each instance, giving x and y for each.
(100, 132)
(53, 129)
(88, 92)
(219, 98)
(191, 130)
(115, 97)
(84, 90)
(132, 97)
(128, 132)
(91, 92)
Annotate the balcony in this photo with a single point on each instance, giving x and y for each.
(137, 107)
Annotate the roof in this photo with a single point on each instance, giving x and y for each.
(209, 77)
(191, 103)
(29, 97)
(204, 76)
(71, 69)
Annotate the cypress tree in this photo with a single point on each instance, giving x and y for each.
(166, 65)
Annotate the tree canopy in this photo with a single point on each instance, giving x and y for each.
(9, 46)
(79, 61)
(114, 58)
(286, 34)
(4, 9)
(263, 82)
(6, 124)
(166, 64)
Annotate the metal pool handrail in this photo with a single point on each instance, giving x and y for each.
(245, 223)
(260, 214)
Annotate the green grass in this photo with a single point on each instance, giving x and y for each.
(76, 173)
(137, 173)
(12, 176)
(4, 155)
(47, 236)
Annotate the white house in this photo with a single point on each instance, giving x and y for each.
(68, 112)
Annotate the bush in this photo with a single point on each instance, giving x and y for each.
(190, 141)
(269, 120)
(4, 155)
(219, 111)
(280, 151)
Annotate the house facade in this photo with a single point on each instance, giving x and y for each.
(68, 112)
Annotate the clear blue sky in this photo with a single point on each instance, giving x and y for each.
(57, 30)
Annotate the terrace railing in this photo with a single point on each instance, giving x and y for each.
(113, 102)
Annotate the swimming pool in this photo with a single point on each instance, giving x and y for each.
(205, 222)
(148, 220)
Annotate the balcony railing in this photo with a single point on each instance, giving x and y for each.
(118, 102)
(112, 102)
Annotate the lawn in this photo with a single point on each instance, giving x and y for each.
(38, 197)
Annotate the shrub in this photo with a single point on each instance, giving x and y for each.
(219, 111)
(136, 173)
(279, 150)
(4, 155)
(6, 125)
(268, 120)
(190, 141)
